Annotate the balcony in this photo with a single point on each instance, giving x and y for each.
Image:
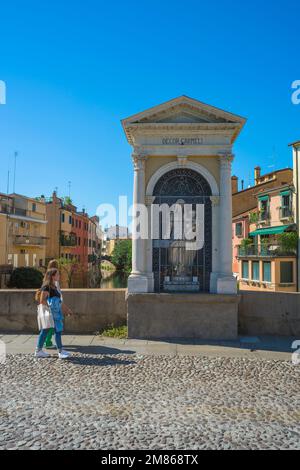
(23, 240)
(68, 240)
(24, 213)
(264, 216)
(265, 251)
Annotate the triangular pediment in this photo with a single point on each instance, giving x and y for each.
(182, 110)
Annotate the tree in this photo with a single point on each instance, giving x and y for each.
(69, 267)
(26, 278)
(122, 255)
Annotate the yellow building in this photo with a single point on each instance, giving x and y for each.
(22, 231)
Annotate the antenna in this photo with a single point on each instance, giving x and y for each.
(15, 168)
(8, 182)
(69, 184)
(273, 158)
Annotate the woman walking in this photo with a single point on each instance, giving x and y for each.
(50, 296)
(53, 264)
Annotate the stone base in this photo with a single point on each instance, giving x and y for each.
(202, 316)
(137, 283)
(227, 285)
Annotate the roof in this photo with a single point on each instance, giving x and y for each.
(153, 116)
(295, 144)
(257, 186)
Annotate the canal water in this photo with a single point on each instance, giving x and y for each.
(117, 280)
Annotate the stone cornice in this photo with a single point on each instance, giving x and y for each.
(158, 128)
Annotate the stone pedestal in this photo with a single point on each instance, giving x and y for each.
(202, 316)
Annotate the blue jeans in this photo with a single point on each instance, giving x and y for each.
(42, 338)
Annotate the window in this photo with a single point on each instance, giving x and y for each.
(33, 207)
(79, 223)
(286, 206)
(62, 217)
(286, 272)
(245, 269)
(76, 223)
(255, 270)
(267, 271)
(79, 241)
(70, 219)
(264, 208)
(239, 229)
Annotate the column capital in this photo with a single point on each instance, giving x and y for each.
(149, 200)
(226, 159)
(139, 161)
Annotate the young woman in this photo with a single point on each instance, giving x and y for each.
(53, 264)
(50, 295)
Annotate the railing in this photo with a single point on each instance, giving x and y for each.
(264, 216)
(24, 240)
(265, 251)
(27, 213)
(285, 212)
(67, 240)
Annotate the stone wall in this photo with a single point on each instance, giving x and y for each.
(95, 309)
(269, 313)
(259, 313)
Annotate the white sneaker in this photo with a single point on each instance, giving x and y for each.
(41, 354)
(63, 354)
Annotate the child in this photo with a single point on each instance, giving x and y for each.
(50, 295)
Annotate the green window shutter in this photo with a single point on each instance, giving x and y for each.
(285, 193)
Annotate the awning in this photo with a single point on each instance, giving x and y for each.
(263, 198)
(269, 230)
(285, 193)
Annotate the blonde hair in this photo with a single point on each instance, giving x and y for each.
(53, 264)
(47, 282)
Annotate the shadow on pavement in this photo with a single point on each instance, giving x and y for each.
(252, 343)
(97, 350)
(101, 362)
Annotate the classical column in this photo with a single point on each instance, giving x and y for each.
(215, 204)
(226, 283)
(137, 281)
(149, 200)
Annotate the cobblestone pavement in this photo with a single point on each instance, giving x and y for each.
(148, 402)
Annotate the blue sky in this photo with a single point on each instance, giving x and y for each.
(73, 70)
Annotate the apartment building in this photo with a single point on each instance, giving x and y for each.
(23, 234)
(245, 204)
(263, 259)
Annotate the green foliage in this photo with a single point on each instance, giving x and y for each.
(288, 241)
(253, 217)
(112, 331)
(122, 255)
(67, 201)
(26, 278)
(246, 242)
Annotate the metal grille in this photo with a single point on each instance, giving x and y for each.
(176, 268)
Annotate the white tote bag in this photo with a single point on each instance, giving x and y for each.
(45, 318)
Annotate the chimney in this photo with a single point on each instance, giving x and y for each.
(257, 173)
(243, 182)
(234, 184)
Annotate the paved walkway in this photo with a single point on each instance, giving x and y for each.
(262, 347)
